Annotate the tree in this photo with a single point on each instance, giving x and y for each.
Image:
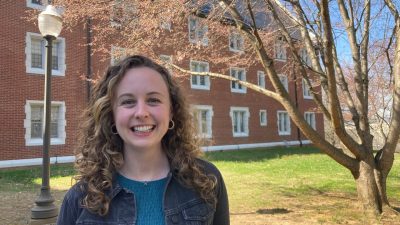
(314, 26)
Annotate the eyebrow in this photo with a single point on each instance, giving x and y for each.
(131, 95)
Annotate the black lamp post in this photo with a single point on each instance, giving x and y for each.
(50, 25)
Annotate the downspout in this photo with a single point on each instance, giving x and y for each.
(297, 105)
(88, 57)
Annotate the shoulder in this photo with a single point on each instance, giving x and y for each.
(71, 206)
(208, 167)
(75, 193)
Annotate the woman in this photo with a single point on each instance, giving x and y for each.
(138, 159)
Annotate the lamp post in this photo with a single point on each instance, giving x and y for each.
(50, 25)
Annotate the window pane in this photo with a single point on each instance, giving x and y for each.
(241, 122)
(36, 53)
(194, 79)
(38, 2)
(235, 122)
(233, 74)
(54, 129)
(202, 80)
(36, 121)
(192, 28)
(204, 122)
(240, 77)
(55, 56)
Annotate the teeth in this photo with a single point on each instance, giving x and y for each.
(143, 128)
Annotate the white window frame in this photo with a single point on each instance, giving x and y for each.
(237, 40)
(117, 54)
(206, 78)
(306, 90)
(37, 6)
(261, 79)
(280, 50)
(245, 121)
(305, 57)
(310, 118)
(286, 117)
(233, 72)
(263, 117)
(167, 59)
(28, 55)
(127, 10)
(165, 23)
(284, 81)
(60, 140)
(210, 114)
(200, 31)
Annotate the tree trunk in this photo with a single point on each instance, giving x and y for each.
(367, 188)
(381, 183)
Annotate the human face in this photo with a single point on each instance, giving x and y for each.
(142, 109)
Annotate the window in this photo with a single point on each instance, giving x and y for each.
(117, 54)
(199, 81)
(165, 23)
(261, 79)
(306, 90)
(197, 31)
(33, 123)
(283, 123)
(263, 117)
(305, 57)
(240, 74)
(240, 121)
(37, 4)
(310, 118)
(284, 81)
(36, 55)
(123, 13)
(280, 49)
(203, 119)
(236, 42)
(167, 59)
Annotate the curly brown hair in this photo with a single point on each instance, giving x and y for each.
(100, 152)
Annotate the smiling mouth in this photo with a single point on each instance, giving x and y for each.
(146, 128)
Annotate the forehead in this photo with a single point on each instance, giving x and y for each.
(142, 79)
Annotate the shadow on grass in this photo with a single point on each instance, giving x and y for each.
(396, 208)
(260, 154)
(274, 211)
(23, 179)
(266, 211)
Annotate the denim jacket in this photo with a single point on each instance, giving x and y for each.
(182, 205)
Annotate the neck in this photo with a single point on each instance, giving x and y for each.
(145, 165)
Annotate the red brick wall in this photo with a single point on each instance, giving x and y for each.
(16, 87)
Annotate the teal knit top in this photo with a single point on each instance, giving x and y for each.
(149, 199)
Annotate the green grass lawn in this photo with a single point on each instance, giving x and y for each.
(290, 172)
(301, 179)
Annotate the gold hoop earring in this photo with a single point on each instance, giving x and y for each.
(114, 129)
(172, 126)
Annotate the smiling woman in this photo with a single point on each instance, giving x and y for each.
(138, 158)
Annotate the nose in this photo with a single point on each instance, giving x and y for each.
(141, 110)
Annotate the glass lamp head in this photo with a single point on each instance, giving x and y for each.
(50, 22)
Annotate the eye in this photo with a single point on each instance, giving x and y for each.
(127, 102)
(154, 101)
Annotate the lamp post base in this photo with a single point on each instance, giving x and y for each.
(44, 212)
(44, 207)
(48, 221)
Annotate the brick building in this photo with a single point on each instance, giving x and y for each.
(228, 115)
